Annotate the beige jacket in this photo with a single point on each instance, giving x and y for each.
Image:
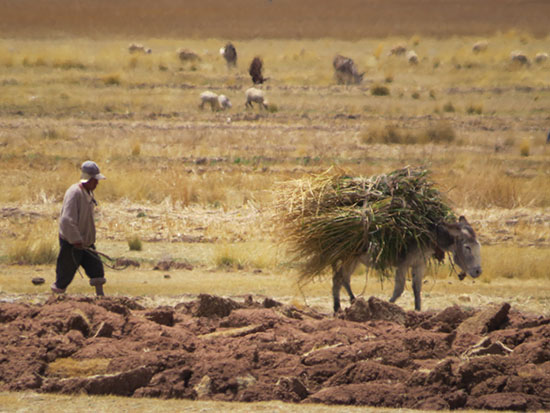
(76, 223)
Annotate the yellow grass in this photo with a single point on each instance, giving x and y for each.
(69, 367)
(106, 404)
(516, 275)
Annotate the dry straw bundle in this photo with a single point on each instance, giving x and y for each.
(332, 217)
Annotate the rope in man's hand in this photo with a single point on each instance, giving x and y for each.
(117, 264)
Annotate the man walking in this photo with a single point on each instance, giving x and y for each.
(77, 233)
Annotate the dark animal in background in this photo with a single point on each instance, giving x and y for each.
(255, 71)
(139, 48)
(229, 53)
(345, 71)
(186, 55)
(518, 57)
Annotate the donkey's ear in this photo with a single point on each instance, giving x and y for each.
(463, 220)
(445, 234)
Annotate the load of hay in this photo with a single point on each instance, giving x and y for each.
(332, 217)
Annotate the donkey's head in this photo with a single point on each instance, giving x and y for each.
(358, 77)
(460, 239)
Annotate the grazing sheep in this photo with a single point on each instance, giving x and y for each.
(519, 57)
(186, 55)
(398, 50)
(229, 53)
(216, 102)
(224, 102)
(412, 57)
(257, 96)
(255, 71)
(480, 46)
(541, 57)
(138, 48)
(345, 71)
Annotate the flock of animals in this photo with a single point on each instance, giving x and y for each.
(229, 53)
(345, 70)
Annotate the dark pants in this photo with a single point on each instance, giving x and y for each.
(70, 258)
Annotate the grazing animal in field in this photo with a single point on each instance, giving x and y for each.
(255, 71)
(224, 102)
(139, 48)
(456, 238)
(480, 46)
(519, 57)
(412, 57)
(398, 50)
(216, 102)
(346, 71)
(541, 57)
(254, 95)
(186, 55)
(229, 53)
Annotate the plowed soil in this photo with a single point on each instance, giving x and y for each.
(215, 348)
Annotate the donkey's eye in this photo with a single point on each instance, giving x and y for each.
(468, 248)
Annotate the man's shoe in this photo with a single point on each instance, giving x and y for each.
(57, 290)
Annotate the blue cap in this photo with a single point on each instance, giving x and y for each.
(90, 170)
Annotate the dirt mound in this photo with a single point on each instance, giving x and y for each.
(215, 348)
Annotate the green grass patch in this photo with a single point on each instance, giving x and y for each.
(380, 90)
(135, 244)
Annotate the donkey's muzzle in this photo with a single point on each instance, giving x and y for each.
(475, 272)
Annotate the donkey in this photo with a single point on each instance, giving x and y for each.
(346, 71)
(457, 238)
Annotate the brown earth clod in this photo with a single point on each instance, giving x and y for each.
(216, 348)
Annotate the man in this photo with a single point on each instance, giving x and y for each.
(77, 233)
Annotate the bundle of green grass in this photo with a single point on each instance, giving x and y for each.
(331, 217)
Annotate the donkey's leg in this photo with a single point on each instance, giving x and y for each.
(347, 270)
(400, 274)
(337, 281)
(417, 275)
(341, 277)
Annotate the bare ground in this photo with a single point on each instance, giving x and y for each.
(215, 348)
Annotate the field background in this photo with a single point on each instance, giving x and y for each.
(197, 187)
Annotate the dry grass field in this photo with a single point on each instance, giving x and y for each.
(197, 187)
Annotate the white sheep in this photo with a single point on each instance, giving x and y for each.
(216, 102)
(257, 96)
(480, 46)
(224, 102)
(541, 57)
(412, 57)
(138, 48)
